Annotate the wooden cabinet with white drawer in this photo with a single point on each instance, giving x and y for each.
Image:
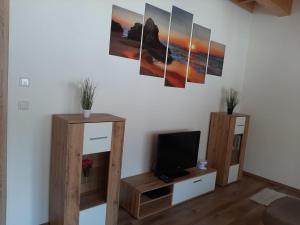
(226, 145)
(90, 195)
(145, 195)
(194, 187)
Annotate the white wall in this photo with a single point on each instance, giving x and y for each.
(272, 97)
(59, 42)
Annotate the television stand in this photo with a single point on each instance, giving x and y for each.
(176, 174)
(145, 194)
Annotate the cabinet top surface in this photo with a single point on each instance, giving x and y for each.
(94, 118)
(148, 181)
(232, 115)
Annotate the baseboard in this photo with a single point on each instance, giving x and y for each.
(296, 190)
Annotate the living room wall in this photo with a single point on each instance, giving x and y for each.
(57, 43)
(271, 96)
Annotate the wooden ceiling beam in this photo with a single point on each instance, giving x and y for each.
(248, 5)
(276, 7)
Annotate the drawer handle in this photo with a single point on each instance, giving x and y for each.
(98, 138)
(240, 125)
(197, 181)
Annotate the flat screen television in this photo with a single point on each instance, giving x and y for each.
(177, 152)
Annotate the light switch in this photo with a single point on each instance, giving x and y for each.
(24, 82)
(23, 105)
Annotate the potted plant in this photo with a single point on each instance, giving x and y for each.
(87, 97)
(232, 100)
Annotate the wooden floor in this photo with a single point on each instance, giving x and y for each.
(226, 206)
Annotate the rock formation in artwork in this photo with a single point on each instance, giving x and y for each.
(135, 32)
(116, 27)
(152, 43)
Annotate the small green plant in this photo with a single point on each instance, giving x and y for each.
(232, 100)
(87, 94)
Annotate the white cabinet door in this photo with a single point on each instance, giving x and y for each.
(239, 125)
(233, 173)
(93, 216)
(193, 187)
(97, 137)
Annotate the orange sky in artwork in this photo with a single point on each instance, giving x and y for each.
(199, 46)
(163, 36)
(123, 22)
(183, 42)
(217, 50)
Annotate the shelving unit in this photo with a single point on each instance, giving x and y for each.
(226, 145)
(93, 189)
(145, 195)
(76, 199)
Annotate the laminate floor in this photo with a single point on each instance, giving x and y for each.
(226, 206)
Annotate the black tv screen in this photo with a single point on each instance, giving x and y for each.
(177, 151)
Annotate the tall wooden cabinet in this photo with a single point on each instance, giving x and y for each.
(226, 145)
(76, 199)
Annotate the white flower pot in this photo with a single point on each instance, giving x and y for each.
(86, 113)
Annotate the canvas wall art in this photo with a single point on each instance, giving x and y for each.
(198, 54)
(172, 47)
(155, 42)
(179, 43)
(216, 59)
(126, 33)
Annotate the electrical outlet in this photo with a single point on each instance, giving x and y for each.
(23, 105)
(24, 82)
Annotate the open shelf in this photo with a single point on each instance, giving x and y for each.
(145, 200)
(153, 195)
(235, 157)
(91, 199)
(93, 189)
(236, 151)
(155, 205)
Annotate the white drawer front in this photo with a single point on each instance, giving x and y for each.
(233, 173)
(239, 125)
(240, 120)
(93, 216)
(97, 137)
(193, 187)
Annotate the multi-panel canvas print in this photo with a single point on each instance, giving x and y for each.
(168, 45)
(216, 59)
(179, 43)
(126, 33)
(155, 42)
(198, 54)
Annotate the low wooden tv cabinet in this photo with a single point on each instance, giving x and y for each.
(145, 195)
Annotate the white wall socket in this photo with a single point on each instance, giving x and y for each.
(23, 105)
(24, 82)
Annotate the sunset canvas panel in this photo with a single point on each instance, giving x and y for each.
(216, 59)
(179, 43)
(198, 54)
(155, 41)
(126, 33)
